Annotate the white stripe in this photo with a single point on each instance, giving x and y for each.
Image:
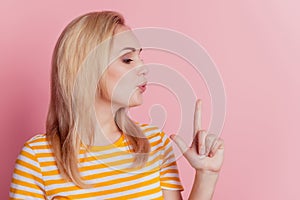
(96, 171)
(168, 175)
(177, 184)
(150, 196)
(105, 179)
(52, 177)
(112, 195)
(153, 167)
(119, 176)
(28, 160)
(107, 151)
(46, 159)
(35, 137)
(151, 132)
(115, 158)
(149, 126)
(94, 154)
(20, 196)
(117, 167)
(36, 144)
(132, 191)
(25, 188)
(169, 167)
(43, 151)
(154, 139)
(28, 150)
(28, 180)
(27, 170)
(46, 169)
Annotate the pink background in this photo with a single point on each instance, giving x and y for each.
(254, 43)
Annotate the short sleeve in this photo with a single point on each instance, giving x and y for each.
(169, 175)
(27, 182)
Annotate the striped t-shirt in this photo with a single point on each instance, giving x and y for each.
(107, 168)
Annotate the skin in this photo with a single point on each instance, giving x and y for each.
(206, 153)
(122, 77)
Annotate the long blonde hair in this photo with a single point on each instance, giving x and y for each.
(74, 81)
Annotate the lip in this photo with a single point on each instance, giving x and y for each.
(142, 86)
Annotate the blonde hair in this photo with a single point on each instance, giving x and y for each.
(74, 81)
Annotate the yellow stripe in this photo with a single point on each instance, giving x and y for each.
(23, 183)
(41, 147)
(38, 140)
(149, 129)
(52, 163)
(169, 164)
(27, 175)
(154, 135)
(91, 158)
(26, 193)
(169, 178)
(139, 194)
(111, 182)
(168, 185)
(30, 166)
(106, 192)
(142, 125)
(45, 155)
(28, 155)
(51, 172)
(103, 174)
(116, 163)
(168, 171)
(167, 151)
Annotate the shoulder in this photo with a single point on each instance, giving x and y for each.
(37, 143)
(39, 139)
(34, 149)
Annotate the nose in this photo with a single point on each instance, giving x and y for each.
(143, 69)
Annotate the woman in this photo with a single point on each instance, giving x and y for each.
(91, 148)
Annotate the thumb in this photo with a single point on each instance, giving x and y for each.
(180, 143)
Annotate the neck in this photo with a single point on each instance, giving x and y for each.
(105, 113)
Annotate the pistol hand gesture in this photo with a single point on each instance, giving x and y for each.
(206, 153)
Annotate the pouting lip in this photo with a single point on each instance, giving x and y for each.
(142, 84)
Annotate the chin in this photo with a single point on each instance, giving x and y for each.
(135, 104)
(136, 100)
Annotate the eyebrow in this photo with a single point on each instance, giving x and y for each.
(131, 48)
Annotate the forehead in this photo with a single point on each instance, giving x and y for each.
(123, 39)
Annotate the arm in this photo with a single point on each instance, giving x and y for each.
(203, 187)
(172, 194)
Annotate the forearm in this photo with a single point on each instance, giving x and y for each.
(204, 186)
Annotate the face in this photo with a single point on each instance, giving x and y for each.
(125, 75)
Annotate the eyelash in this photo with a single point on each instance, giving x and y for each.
(127, 61)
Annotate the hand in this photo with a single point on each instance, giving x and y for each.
(206, 153)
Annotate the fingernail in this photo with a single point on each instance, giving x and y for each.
(202, 150)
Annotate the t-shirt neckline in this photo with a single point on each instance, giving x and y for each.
(117, 143)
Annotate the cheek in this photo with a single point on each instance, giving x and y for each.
(112, 78)
(120, 76)
(114, 74)
(120, 79)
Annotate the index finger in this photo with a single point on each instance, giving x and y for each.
(198, 116)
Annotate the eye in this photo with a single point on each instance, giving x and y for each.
(127, 61)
